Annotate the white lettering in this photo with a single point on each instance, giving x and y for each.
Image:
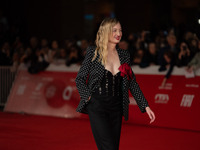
(187, 100)
(21, 89)
(161, 98)
(39, 86)
(67, 93)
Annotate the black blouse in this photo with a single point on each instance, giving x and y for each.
(110, 85)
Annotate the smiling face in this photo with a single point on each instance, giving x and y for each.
(116, 34)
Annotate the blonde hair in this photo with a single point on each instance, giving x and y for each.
(102, 37)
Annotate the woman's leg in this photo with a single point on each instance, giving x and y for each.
(105, 124)
(116, 122)
(102, 130)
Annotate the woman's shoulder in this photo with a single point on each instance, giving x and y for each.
(123, 52)
(91, 48)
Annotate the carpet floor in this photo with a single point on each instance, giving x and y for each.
(31, 132)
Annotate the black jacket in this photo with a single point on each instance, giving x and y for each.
(91, 73)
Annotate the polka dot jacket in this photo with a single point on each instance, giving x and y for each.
(91, 74)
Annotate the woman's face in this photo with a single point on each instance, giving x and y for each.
(152, 48)
(116, 34)
(54, 45)
(183, 47)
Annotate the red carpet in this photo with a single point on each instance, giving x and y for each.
(29, 132)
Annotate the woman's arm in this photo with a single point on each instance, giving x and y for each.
(140, 99)
(138, 95)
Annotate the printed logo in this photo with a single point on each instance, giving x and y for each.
(168, 86)
(21, 90)
(161, 98)
(67, 93)
(192, 85)
(39, 86)
(187, 100)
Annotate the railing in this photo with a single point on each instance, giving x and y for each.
(7, 76)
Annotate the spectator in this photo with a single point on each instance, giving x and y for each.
(61, 57)
(54, 51)
(194, 64)
(33, 43)
(26, 58)
(161, 39)
(193, 43)
(21, 52)
(74, 56)
(17, 44)
(170, 62)
(184, 55)
(150, 57)
(138, 56)
(123, 45)
(83, 46)
(142, 41)
(15, 62)
(30, 51)
(45, 49)
(171, 46)
(38, 62)
(5, 55)
(131, 44)
(131, 40)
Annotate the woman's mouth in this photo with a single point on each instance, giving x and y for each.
(117, 38)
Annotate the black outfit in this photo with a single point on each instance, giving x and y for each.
(91, 74)
(109, 98)
(105, 111)
(148, 59)
(185, 59)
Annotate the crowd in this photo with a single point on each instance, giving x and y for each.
(163, 49)
(39, 53)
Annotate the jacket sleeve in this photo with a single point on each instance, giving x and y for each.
(137, 93)
(82, 75)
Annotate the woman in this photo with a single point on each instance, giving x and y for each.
(103, 82)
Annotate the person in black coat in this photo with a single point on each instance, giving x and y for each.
(184, 55)
(103, 82)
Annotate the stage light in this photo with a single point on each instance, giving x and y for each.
(199, 21)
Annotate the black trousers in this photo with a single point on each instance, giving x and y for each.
(105, 115)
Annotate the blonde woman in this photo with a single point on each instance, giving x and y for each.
(103, 82)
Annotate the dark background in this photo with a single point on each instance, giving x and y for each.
(61, 19)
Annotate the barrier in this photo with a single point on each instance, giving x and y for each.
(53, 92)
(7, 77)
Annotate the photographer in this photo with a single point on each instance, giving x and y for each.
(184, 55)
(38, 62)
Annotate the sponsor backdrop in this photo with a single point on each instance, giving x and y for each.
(53, 93)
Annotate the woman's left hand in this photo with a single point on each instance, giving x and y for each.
(150, 114)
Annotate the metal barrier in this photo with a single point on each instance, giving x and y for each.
(7, 76)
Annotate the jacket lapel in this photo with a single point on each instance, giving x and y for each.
(121, 58)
